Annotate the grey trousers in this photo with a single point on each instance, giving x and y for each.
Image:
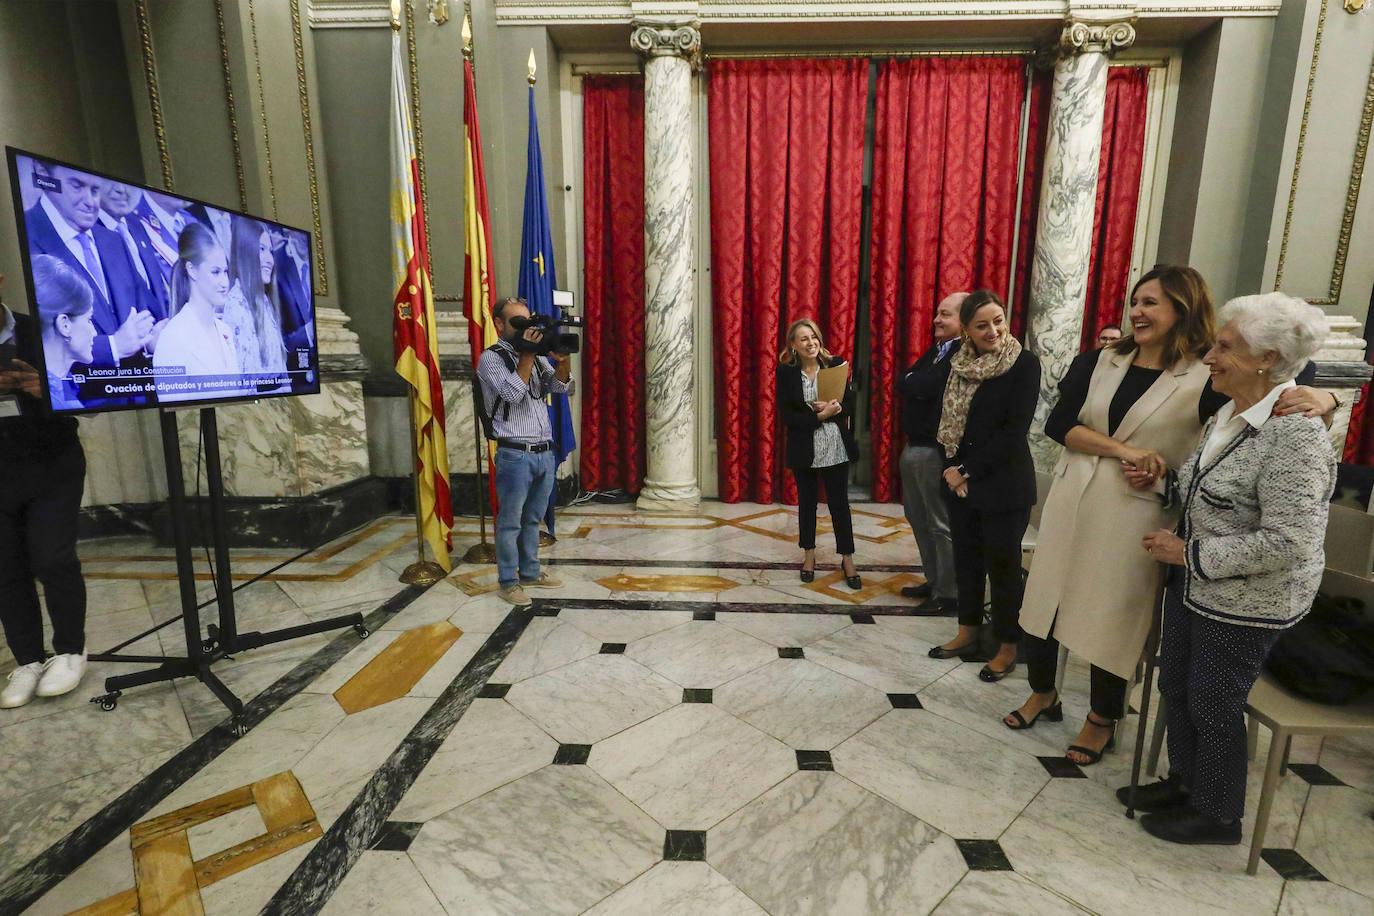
(922, 469)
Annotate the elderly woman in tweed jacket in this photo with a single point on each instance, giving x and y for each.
(1245, 562)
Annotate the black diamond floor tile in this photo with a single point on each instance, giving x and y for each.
(814, 760)
(696, 695)
(1316, 775)
(984, 855)
(861, 618)
(791, 652)
(684, 846)
(613, 648)
(396, 836)
(904, 701)
(572, 754)
(703, 615)
(1290, 864)
(1062, 768)
(493, 691)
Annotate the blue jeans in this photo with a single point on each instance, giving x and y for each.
(524, 481)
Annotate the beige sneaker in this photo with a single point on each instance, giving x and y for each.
(516, 596)
(544, 581)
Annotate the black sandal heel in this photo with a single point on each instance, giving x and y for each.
(1053, 713)
(1092, 755)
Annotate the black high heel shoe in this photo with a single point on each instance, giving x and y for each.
(1053, 713)
(1092, 755)
(853, 581)
(808, 575)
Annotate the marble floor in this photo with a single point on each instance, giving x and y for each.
(683, 727)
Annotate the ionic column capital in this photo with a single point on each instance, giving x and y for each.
(1090, 36)
(655, 37)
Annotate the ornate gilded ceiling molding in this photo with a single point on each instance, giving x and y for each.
(262, 109)
(322, 277)
(145, 40)
(229, 101)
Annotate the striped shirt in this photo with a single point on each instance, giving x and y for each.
(517, 408)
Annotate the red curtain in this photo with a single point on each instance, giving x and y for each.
(1118, 192)
(612, 392)
(786, 153)
(944, 211)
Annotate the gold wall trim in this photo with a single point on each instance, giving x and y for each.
(229, 101)
(322, 278)
(262, 106)
(1352, 193)
(145, 40)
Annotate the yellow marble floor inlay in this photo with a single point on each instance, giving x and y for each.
(167, 880)
(646, 520)
(669, 583)
(398, 667)
(832, 584)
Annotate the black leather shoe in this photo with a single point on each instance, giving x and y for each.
(1157, 797)
(1192, 828)
(991, 675)
(936, 607)
(853, 581)
(808, 575)
(918, 591)
(965, 652)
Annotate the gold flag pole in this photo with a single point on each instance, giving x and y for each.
(481, 552)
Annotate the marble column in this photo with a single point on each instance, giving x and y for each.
(1342, 370)
(1063, 240)
(670, 48)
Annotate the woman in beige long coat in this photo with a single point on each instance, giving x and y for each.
(1138, 404)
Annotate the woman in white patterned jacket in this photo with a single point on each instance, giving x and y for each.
(1246, 566)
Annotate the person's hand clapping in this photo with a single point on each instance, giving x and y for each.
(132, 334)
(20, 376)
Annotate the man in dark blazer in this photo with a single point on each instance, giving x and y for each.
(293, 282)
(65, 224)
(161, 218)
(117, 205)
(921, 388)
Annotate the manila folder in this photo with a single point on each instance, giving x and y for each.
(830, 383)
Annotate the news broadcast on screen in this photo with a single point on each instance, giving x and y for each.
(148, 298)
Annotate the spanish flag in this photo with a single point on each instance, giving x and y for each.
(417, 354)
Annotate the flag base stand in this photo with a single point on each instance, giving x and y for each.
(422, 572)
(480, 553)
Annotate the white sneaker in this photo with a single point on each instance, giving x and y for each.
(23, 681)
(61, 674)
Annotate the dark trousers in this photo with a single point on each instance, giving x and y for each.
(836, 479)
(1107, 692)
(40, 500)
(987, 545)
(1206, 670)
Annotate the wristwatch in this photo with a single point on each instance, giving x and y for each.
(962, 473)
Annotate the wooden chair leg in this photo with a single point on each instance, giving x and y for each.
(1251, 737)
(1278, 751)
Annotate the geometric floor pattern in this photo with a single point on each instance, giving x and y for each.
(684, 727)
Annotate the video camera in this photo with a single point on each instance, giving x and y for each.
(551, 339)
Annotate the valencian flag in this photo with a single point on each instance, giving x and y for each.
(537, 280)
(417, 355)
(477, 280)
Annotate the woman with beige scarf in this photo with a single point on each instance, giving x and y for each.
(986, 414)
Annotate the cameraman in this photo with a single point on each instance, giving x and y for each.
(514, 382)
(44, 473)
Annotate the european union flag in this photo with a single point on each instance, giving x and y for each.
(537, 281)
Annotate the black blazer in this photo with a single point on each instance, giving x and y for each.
(801, 422)
(994, 450)
(36, 431)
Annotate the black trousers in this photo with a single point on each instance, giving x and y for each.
(1206, 670)
(40, 500)
(987, 545)
(836, 479)
(1107, 692)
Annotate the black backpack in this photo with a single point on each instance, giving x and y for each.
(1328, 656)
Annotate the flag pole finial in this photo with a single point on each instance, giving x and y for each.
(532, 77)
(396, 15)
(467, 36)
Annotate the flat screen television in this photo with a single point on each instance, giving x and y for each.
(146, 298)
